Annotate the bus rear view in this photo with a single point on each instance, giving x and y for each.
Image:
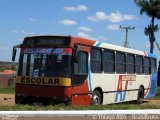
(44, 72)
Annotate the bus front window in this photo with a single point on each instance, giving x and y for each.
(45, 65)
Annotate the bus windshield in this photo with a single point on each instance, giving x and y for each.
(45, 62)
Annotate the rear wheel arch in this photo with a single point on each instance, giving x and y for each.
(141, 86)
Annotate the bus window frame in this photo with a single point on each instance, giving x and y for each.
(75, 76)
(141, 73)
(120, 62)
(130, 63)
(113, 62)
(101, 61)
(155, 61)
(149, 71)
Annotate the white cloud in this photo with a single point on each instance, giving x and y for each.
(115, 17)
(78, 8)
(113, 27)
(112, 17)
(33, 20)
(84, 35)
(26, 32)
(23, 32)
(98, 17)
(129, 17)
(67, 22)
(85, 29)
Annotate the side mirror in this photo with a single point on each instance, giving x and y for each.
(15, 51)
(14, 54)
(76, 47)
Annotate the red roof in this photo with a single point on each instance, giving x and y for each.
(8, 72)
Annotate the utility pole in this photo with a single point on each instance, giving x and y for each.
(126, 44)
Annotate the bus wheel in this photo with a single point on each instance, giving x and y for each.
(140, 96)
(17, 100)
(96, 98)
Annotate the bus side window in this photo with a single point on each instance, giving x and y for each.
(139, 64)
(130, 64)
(120, 62)
(146, 66)
(153, 65)
(81, 66)
(108, 61)
(96, 60)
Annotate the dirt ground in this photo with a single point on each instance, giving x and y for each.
(7, 100)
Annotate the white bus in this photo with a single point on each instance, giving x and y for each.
(121, 74)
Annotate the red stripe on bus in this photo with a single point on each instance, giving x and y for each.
(148, 87)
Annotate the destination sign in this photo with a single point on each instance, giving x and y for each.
(47, 51)
(46, 41)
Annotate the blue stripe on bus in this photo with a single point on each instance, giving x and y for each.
(89, 77)
(122, 96)
(89, 69)
(116, 98)
(98, 44)
(152, 55)
(153, 84)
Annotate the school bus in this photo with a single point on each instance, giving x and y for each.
(80, 71)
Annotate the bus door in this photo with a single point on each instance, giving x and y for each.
(80, 90)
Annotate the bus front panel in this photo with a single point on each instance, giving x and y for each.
(44, 72)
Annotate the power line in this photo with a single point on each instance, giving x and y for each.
(157, 45)
(126, 44)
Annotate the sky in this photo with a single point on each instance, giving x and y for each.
(93, 19)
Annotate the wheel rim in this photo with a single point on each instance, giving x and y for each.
(96, 99)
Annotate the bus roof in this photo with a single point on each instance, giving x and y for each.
(119, 48)
(38, 36)
(96, 43)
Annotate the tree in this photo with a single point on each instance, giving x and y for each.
(152, 9)
(148, 31)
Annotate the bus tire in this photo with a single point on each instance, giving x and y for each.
(96, 98)
(140, 96)
(17, 100)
